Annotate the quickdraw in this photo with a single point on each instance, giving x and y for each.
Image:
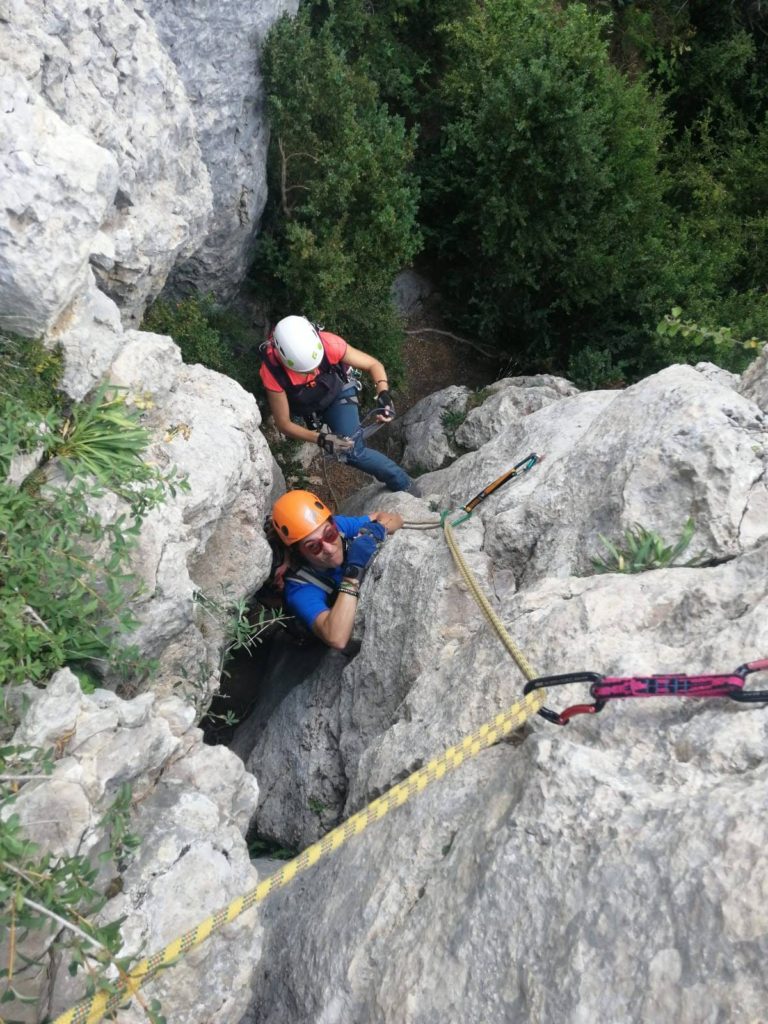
(521, 467)
(605, 688)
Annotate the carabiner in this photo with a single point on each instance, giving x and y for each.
(563, 717)
(750, 696)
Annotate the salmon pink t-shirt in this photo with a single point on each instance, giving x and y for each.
(335, 348)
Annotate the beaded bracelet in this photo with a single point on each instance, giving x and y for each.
(344, 588)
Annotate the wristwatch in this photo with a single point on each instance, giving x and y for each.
(353, 572)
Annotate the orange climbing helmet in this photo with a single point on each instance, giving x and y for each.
(297, 514)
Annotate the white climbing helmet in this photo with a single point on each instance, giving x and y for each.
(298, 344)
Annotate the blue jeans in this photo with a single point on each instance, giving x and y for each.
(343, 418)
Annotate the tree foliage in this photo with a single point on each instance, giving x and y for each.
(343, 202)
(585, 166)
(546, 193)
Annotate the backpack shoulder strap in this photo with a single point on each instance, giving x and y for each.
(303, 575)
(276, 368)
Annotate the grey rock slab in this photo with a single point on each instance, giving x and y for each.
(103, 73)
(56, 185)
(190, 804)
(673, 446)
(516, 885)
(216, 49)
(508, 402)
(754, 381)
(427, 444)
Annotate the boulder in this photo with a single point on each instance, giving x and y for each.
(190, 806)
(754, 381)
(506, 402)
(428, 442)
(56, 187)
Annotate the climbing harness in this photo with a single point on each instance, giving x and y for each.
(605, 688)
(93, 1008)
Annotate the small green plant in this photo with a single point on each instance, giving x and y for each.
(316, 806)
(260, 846)
(452, 419)
(30, 372)
(644, 549)
(476, 399)
(242, 632)
(43, 892)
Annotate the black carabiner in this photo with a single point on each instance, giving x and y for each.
(563, 717)
(750, 696)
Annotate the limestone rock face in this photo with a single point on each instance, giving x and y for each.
(428, 444)
(190, 804)
(674, 445)
(208, 540)
(754, 381)
(507, 402)
(108, 138)
(56, 187)
(609, 870)
(216, 50)
(443, 425)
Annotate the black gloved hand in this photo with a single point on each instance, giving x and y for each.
(363, 547)
(334, 444)
(385, 404)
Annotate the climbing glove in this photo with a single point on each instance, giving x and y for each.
(385, 404)
(364, 546)
(333, 444)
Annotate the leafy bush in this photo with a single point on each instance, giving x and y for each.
(29, 373)
(397, 45)
(208, 334)
(341, 219)
(643, 550)
(64, 583)
(688, 341)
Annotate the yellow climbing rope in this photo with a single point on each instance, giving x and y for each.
(520, 660)
(91, 1010)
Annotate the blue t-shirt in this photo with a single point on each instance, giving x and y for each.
(306, 600)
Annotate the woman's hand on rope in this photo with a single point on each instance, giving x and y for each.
(391, 521)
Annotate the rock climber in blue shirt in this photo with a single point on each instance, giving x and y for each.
(329, 556)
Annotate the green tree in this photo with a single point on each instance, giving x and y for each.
(546, 199)
(398, 45)
(707, 59)
(341, 220)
